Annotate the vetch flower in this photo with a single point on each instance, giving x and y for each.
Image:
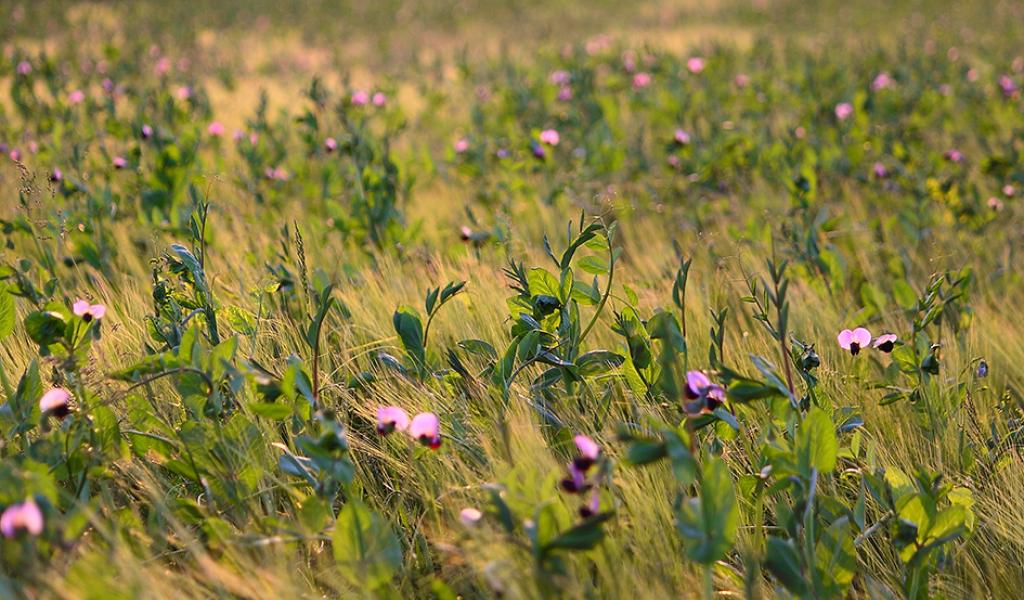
(881, 81)
(1007, 86)
(470, 516)
(55, 402)
(681, 137)
(592, 507)
(87, 311)
(696, 383)
(216, 129)
(537, 150)
(880, 171)
(854, 340)
(24, 67)
(461, 145)
(120, 162)
(56, 175)
(559, 77)
(705, 396)
(588, 453)
(695, 64)
(885, 342)
(330, 144)
(576, 482)
(360, 98)
(641, 80)
(564, 93)
(550, 137)
(379, 99)
(426, 429)
(25, 516)
(953, 155)
(391, 418)
(147, 132)
(76, 97)
(844, 110)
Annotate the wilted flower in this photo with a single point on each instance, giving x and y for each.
(881, 81)
(844, 110)
(854, 340)
(147, 132)
(379, 99)
(55, 402)
(695, 64)
(391, 418)
(461, 145)
(549, 137)
(24, 67)
(426, 429)
(885, 342)
(25, 516)
(87, 311)
(330, 144)
(216, 129)
(641, 80)
(360, 98)
(76, 97)
(470, 516)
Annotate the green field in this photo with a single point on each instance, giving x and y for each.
(620, 253)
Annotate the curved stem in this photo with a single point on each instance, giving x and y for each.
(607, 292)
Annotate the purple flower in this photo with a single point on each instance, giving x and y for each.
(576, 482)
(87, 311)
(681, 137)
(56, 175)
(469, 516)
(120, 162)
(391, 418)
(1007, 86)
(559, 77)
(844, 110)
(564, 93)
(24, 68)
(854, 340)
(885, 342)
(704, 395)
(592, 507)
(880, 171)
(588, 453)
(55, 402)
(426, 429)
(25, 516)
(537, 150)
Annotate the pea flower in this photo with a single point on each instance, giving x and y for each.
(76, 97)
(549, 137)
(87, 311)
(360, 98)
(56, 175)
(216, 129)
(844, 110)
(391, 418)
(880, 171)
(885, 342)
(576, 482)
(641, 80)
(564, 93)
(953, 155)
(588, 453)
(1007, 86)
(330, 144)
(25, 516)
(537, 150)
(681, 137)
(559, 77)
(592, 507)
(24, 68)
(854, 340)
(120, 162)
(426, 429)
(470, 516)
(55, 402)
(379, 99)
(461, 145)
(704, 395)
(147, 132)
(695, 64)
(882, 81)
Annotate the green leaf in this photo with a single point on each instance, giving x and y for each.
(598, 361)
(6, 313)
(582, 536)
(816, 445)
(45, 327)
(271, 410)
(364, 545)
(709, 523)
(410, 330)
(782, 561)
(836, 558)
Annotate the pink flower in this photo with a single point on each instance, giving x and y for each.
(87, 311)
(885, 342)
(76, 97)
(55, 402)
(880, 171)
(1009, 191)
(56, 175)
(24, 67)
(183, 92)
(470, 516)
(641, 80)
(461, 146)
(844, 110)
(15, 155)
(360, 98)
(426, 429)
(1007, 86)
(742, 80)
(379, 99)
(953, 155)
(276, 174)
(120, 162)
(681, 137)
(391, 418)
(576, 482)
(147, 132)
(564, 93)
(559, 77)
(549, 137)
(22, 517)
(855, 340)
(163, 65)
(881, 81)
(705, 396)
(972, 75)
(695, 64)
(216, 129)
(330, 144)
(673, 161)
(588, 452)
(995, 203)
(108, 85)
(592, 507)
